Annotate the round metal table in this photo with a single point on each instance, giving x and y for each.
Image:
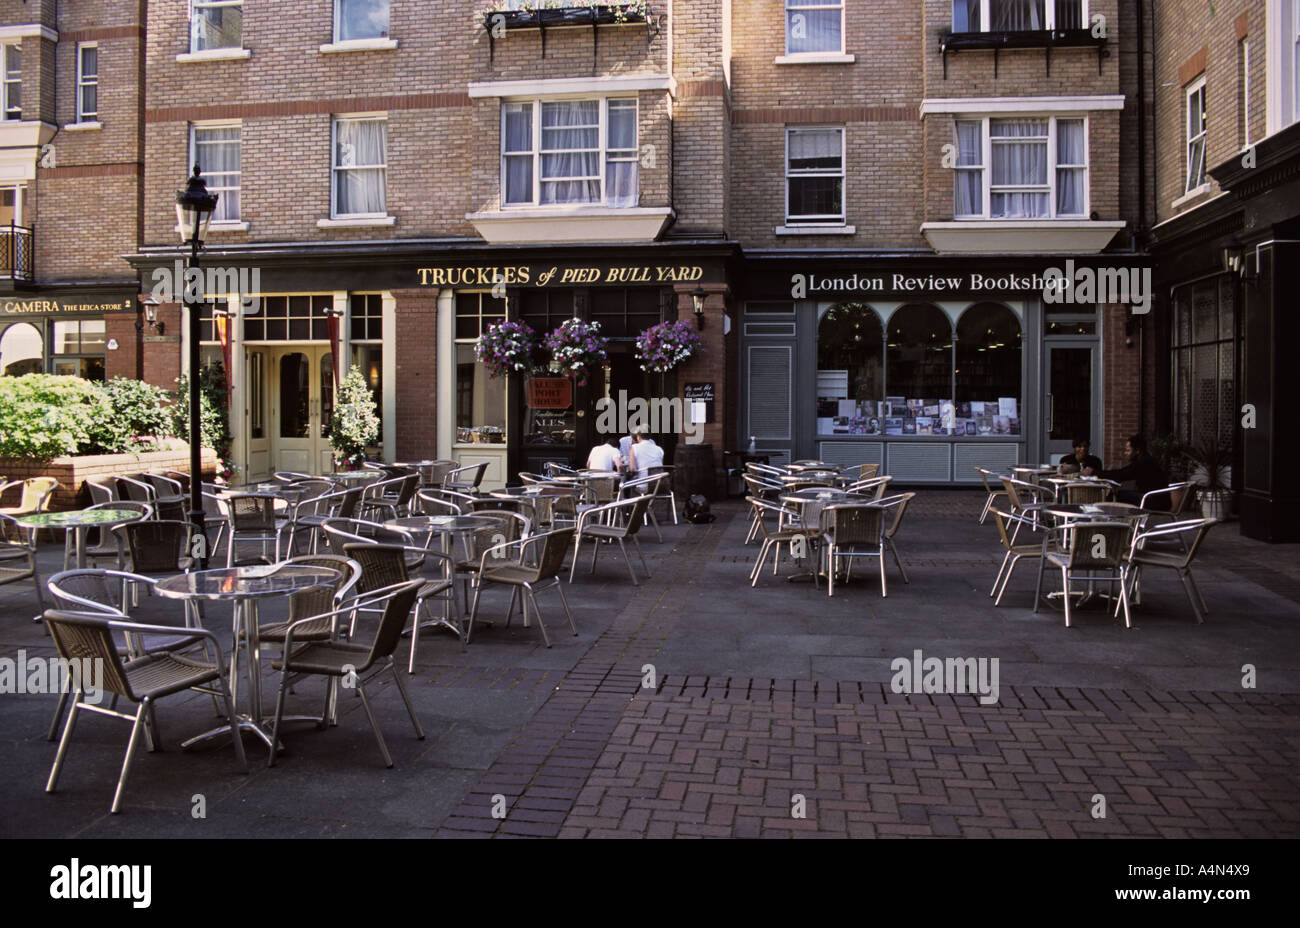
(245, 587)
(80, 522)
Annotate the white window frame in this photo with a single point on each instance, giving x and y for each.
(7, 81)
(196, 127)
(822, 5)
(335, 167)
(338, 22)
(629, 154)
(83, 82)
(1049, 14)
(1196, 87)
(827, 221)
(986, 170)
(196, 5)
(18, 190)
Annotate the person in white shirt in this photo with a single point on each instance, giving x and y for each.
(645, 454)
(605, 457)
(625, 448)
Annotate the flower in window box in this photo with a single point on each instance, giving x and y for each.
(662, 347)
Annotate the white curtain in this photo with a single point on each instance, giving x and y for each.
(518, 150)
(812, 30)
(621, 154)
(1069, 14)
(217, 152)
(1019, 164)
(571, 151)
(815, 150)
(1016, 15)
(965, 15)
(360, 157)
(1071, 151)
(363, 19)
(968, 185)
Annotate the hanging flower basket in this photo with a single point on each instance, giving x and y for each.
(506, 347)
(576, 347)
(663, 347)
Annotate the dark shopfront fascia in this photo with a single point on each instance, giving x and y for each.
(1228, 270)
(60, 332)
(514, 427)
(929, 366)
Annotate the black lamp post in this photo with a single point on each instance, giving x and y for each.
(194, 208)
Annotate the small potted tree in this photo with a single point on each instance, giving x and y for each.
(1212, 472)
(354, 425)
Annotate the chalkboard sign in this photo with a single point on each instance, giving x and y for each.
(698, 403)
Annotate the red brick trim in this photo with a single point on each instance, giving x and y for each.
(688, 89)
(1243, 25)
(1193, 67)
(116, 169)
(410, 101)
(803, 114)
(103, 33)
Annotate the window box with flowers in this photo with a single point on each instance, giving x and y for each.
(502, 15)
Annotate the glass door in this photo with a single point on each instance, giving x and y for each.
(303, 385)
(1072, 405)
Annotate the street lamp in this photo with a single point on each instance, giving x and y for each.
(698, 296)
(194, 209)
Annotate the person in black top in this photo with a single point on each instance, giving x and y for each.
(1142, 469)
(1080, 460)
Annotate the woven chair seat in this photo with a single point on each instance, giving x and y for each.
(326, 658)
(312, 631)
(513, 574)
(1149, 558)
(472, 566)
(157, 675)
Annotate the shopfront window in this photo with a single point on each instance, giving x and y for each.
(850, 371)
(1204, 363)
(77, 348)
(22, 350)
(918, 358)
(366, 332)
(480, 398)
(987, 372)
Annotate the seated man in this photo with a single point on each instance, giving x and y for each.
(1142, 469)
(645, 454)
(605, 456)
(1080, 459)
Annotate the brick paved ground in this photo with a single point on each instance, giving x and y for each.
(758, 695)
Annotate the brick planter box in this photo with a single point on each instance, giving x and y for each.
(72, 471)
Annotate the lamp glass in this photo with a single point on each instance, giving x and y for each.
(185, 221)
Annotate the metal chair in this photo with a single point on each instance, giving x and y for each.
(646, 486)
(556, 469)
(465, 479)
(548, 549)
(347, 661)
(1087, 548)
(18, 556)
(432, 502)
(290, 476)
(1140, 557)
(35, 497)
(390, 497)
(1084, 493)
(105, 541)
(788, 535)
(589, 527)
(873, 487)
(80, 636)
(1013, 556)
(665, 491)
(101, 492)
(252, 518)
(507, 526)
(170, 501)
(985, 476)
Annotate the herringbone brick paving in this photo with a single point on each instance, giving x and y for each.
(704, 756)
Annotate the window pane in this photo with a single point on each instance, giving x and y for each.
(65, 338)
(89, 62)
(295, 396)
(480, 399)
(965, 15)
(622, 125)
(988, 359)
(22, 350)
(1069, 14)
(361, 181)
(363, 19)
(919, 354)
(1017, 15)
(93, 336)
(817, 150)
(216, 151)
(519, 127)
(816, 197)
(811, 30)
(850, 369)
(216, 26)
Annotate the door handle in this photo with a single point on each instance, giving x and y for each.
(1050, 408)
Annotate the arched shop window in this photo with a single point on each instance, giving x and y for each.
(987, 372)
(918, 371)
(850, 371)
(22, 350)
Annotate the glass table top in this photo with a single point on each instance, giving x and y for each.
(247, 582)
(81, 517)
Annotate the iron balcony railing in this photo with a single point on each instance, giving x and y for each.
(16, 251)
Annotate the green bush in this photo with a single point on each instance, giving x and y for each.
(212, 406)
(141, 412)
(43, 416)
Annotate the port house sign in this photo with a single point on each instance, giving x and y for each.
(558, 275)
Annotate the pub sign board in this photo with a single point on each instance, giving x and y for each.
(698, 400)
(550, 393)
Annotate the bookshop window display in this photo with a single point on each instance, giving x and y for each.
(918, 374)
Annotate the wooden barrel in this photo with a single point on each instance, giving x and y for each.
(694, 472)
